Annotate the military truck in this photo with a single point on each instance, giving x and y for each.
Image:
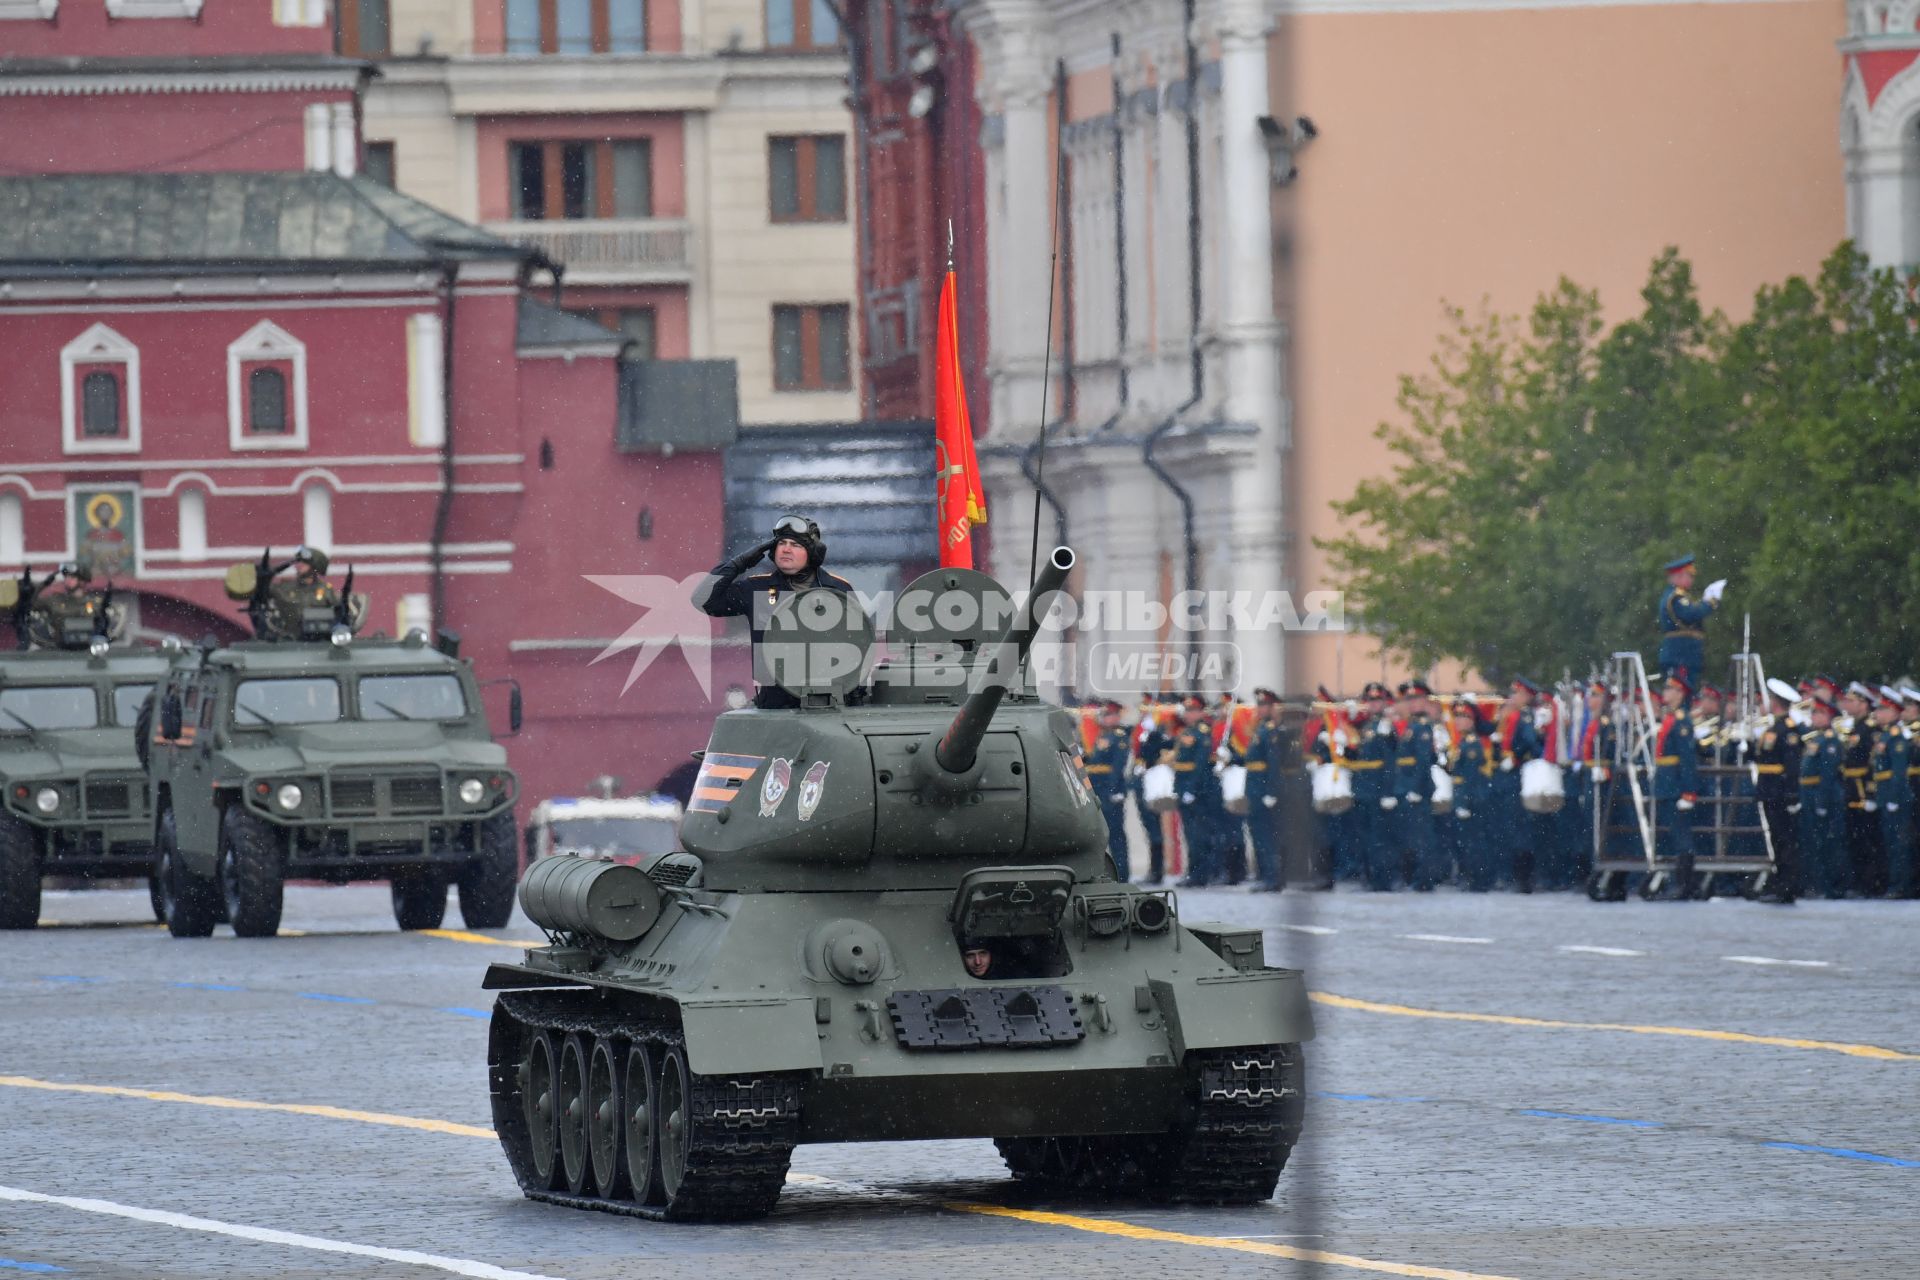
(892, 917)
(73, 799)
(338, 761)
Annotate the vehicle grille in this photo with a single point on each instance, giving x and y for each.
(109, 798)
(416, 795)
(354, 796)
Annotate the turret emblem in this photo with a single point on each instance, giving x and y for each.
(774, 788)
(811, 788)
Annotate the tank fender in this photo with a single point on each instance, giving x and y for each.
(1262, 1006)
(733, 1037)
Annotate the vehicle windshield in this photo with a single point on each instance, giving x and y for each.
(288, 701)
(616, 835)
(126, 701)
(51, 707)
(416, 697)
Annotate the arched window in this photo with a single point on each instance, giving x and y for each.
(100, 405)
(266, 400)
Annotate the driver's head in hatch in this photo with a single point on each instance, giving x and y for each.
(978, 960)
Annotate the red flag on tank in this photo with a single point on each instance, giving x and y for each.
(962, 504)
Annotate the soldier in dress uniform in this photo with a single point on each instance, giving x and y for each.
(1776, 761)
(1419, 842)
(1590, 789)
(1150, 742)
(1681, 618)
(1107, 771)
(1328, 738)
(1676, 773)
(1470, 765)
(1892, 792)
(1232, 836)
(1823, 800)
(1515, 742)
(1376, 747)
(1866, 863)
(1198, 788)
(1263, 758)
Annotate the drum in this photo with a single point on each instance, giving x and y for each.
(1442, 790)
(1541, 788)
(1233, 788)
(1156, 788)
(1332, 789)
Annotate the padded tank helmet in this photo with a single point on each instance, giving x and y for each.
(806, 532)
(312, 557)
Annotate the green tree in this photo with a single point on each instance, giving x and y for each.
(1543, 472)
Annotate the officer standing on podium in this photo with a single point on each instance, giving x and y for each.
(1683, 642)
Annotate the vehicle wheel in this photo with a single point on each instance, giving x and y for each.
(640, 1127)
(143, 730)
(487, 883)
(676, 1122)
(572, 1107)
(603, 1120)
(250, 876)
(190, 905)
(537, 1079)
(157, 896)
(19, 874)
(419, 902)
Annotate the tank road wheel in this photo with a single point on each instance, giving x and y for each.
(250, 874)
(539, 1111)
(190, 905)
(1243, 1112)
(419, 901)
(725, 1141)
(640, 1127)
(572, 1111)
(604, 1119)
(19, 874)
(487, 883)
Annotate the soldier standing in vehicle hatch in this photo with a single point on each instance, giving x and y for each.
(798, 551)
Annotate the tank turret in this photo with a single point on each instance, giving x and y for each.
(893, 918)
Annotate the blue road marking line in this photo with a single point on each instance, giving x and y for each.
(1844, 1153)
(38, 1268)
(470, 1013)
(209, 986)
(1569, 1115)
(321, 995)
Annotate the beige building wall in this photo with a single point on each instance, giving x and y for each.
(1474, 155)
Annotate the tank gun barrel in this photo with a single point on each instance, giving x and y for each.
(955, 752)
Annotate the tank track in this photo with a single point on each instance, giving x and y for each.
(1245, 1108)
(744, 1127)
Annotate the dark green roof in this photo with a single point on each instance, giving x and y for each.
(175, 222)
(543, 326)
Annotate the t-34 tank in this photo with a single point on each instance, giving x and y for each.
(892, 919)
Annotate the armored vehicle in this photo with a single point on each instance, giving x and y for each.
(891, 918)
(74, 799)
(338, 761)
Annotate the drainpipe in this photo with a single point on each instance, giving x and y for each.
(1185, 499)
(857, 85)
(1069, 390)
(443, 508)
(1119, 228)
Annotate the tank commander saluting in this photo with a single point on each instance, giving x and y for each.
(798, 552)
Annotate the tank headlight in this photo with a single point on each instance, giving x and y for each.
(98, 646)
(340, 635)
(46, 800)
(472, 791)
(289, 796)
(1151, 913)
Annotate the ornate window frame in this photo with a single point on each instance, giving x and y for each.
(266, 343)
(99, 345)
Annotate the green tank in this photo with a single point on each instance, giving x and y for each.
(73, 797)
(338, 761)
(892, 918)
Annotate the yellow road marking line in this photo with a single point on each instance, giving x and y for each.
(1874, 1051)
(1132, 1231)
(460, 935)
(246, 1104)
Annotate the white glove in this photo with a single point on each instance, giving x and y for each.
(1388, 802)
(1869, 805)
(1383, 727)
(1601, 773)
(1893, 808)
(1683, 804)
(1186, 797)
(1413, 797)
(1506, 765)
(1793, 808)
(1270, 801)
(1819, 813)
(1119, 799)
(1462, 813)
(1714, 591)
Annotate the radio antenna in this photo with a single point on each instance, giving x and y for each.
(1046, 359)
